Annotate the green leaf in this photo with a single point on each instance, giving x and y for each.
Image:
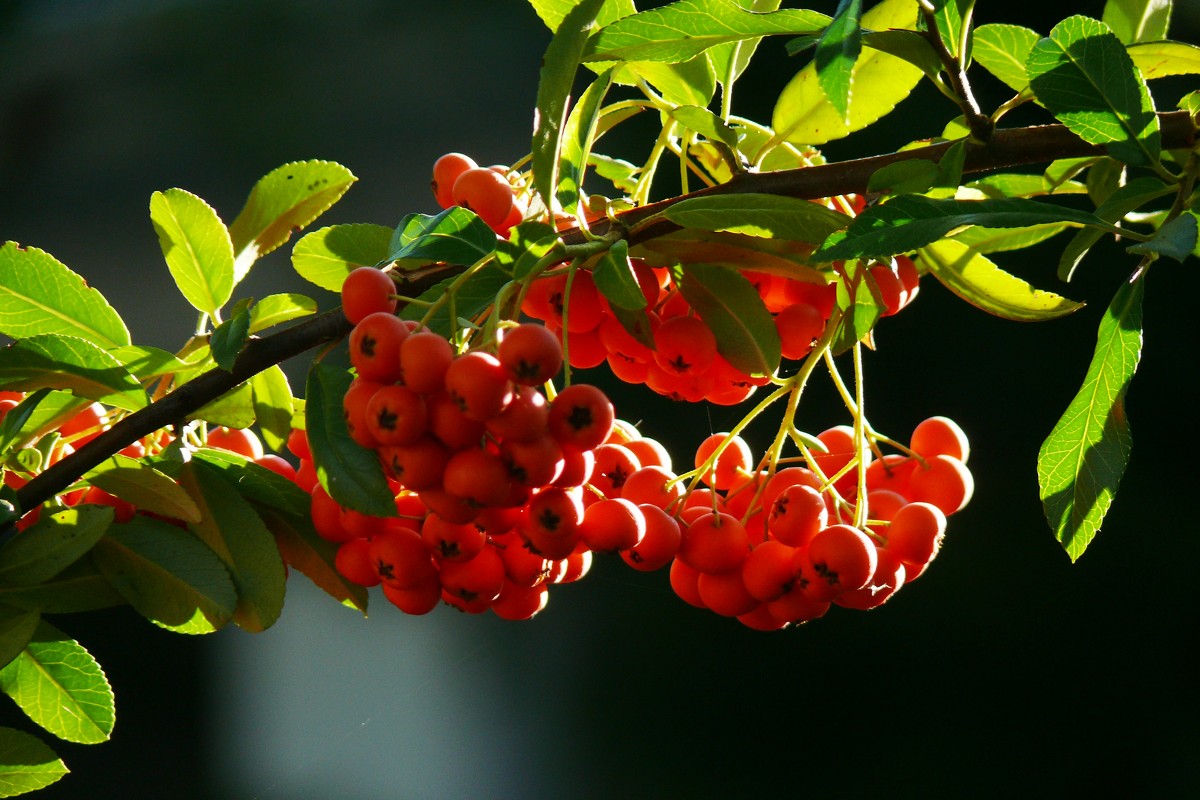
(350, 473)
(768, 216)
(455, 236)
(261, 487)
(39, 295)
(326, 256)
(732, 308)
(230, 337)
(803, 114)
(1125, 199)
(79, 587)
(683, 30)
(17, 418)
(1084, 76)
(1176, 239)
(61, 687)
(995, 240)
(305, 551)
(1164, 59)
(277, 308)
(284, 200)
(139, 483)
(1008, 184)
(909, 46)
(273, 406)
(911, 221)
(621, 174)
(196, 246)
(556, 78)
(231, 529)
(552, 12)
(70, 364)
(16, 629)
(688, 83)
(1138, 20)
(903, 177)
(1081, 463)
(732, 250)
(577, 137)
(730, 60)
(615, 279)
(705, 123)
(859, 306)
(471, 299)
(526, 245)
(1062, 170)
(26, 764)
(234, 409)
(56, 540)
(168, 575)
(952, 16)
(837, 50)
(146, 362)
(1002, 51)
(983, 284)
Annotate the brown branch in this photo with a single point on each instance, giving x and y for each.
(1005, 148)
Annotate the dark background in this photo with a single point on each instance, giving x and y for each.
(1005, 671)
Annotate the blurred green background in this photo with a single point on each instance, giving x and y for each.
(1005, 671)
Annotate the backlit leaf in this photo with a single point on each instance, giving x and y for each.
(139, 483)
(26, 764)
(1002, 49)
(803, 114)
(61, 687)
(277, 308)
(70, 364)
(39, 294)
(1164, 59)
(196, 246)
(273, 406)
(983, 284)
(1138, 20)
(1084, 76)
(1081, 463)
(455, 236)
(283, 201)
(326, 256)
(768, 216)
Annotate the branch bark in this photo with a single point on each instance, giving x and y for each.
(1005, 149)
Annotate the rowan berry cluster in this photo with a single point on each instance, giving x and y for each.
(459, 181)
(779, 548)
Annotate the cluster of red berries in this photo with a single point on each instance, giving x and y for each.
(459, 181)
(779, 549)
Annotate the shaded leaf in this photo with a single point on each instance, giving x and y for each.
(470, 300)
(552, 12)
(196, 246)
(577, 137)
(284, 200)
(16, 629)
(1125, 199)
(61, 687)
(230, 337)
(526, 245)
(261, 487)
(350, 473)
(732, 308)
(1176, 239)
(231, 529)
(305, 551)
(79, 587)
(168, 575)
(1081, 463)
(764, 215)
(52, 543)
(985, 285)
(837, 50)
(40, 295)
(455, 236)
(26, 764)
(911, 221)
(146, 362)
(615, 278)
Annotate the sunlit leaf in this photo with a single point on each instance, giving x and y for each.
(684, 29)
(1138, 20)
(139, 483)
(69, 364)
(615, 278)
(768, 216)
(985, 285)
(228, 338)
(1083, 74)
(577, 137)
(61, 687)
(1002, 49)
(284, 201)
(1081, 463)
(552, 12)
(39, 295)
(273, 406)
(1164, 59)
(277, 308)
(196, 246)
(456, 235)
(729, 60)
(326, 256)
(705, 123)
